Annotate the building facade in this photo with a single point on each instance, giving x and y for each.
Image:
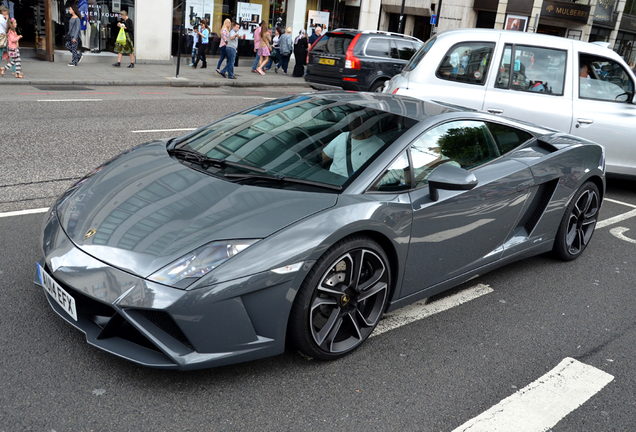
(157, 22)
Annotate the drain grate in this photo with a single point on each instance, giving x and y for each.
(62, 88)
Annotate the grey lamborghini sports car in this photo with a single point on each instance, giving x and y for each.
(302, 220)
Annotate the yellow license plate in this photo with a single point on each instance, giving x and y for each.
(327, 61)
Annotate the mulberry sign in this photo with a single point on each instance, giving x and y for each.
(563, 10)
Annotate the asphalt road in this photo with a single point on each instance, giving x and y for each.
(434, 374)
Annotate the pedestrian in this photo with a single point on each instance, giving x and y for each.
(264, 50)
(315, 35)
(286, 46)
(225, 34)
(257, 42)
(73, 35)
(127, 47)
(15, 62)
(230, 52)
(196, 40)
(275, 53)
(4, 21)
(204, 32)
(300, 53)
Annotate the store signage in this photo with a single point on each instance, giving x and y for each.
(196, 10)
(317, 17)
(628, 23)
(568, 11)
(249, 17)
(604, 9)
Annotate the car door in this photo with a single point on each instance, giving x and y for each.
(462, 230)
(532, 84)
(378, 62)
(605, 112)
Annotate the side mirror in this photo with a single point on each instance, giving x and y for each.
(450, 177)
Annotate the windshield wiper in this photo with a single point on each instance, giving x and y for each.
(206, 161)
(282, 179)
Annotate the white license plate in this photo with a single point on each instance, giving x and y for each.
(64, 299)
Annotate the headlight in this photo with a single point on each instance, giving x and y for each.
(199, 262)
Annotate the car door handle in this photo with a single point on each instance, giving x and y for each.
(584, 121)
(495, 111)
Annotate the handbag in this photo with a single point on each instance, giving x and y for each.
(3, 40)
(121, 37)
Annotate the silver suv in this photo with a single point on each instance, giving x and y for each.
(576, 87)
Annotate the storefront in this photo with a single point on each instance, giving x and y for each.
(565, 19)
(626, 39)
(43, 23)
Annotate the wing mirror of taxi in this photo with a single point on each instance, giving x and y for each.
(450, 177)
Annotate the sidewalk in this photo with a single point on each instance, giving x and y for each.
(39, 72)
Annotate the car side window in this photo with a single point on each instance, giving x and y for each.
(465, 143)
(402, 49)
(604, 79)
(532, 69)
(506, 137)
(396, 177)
(378, 47)
(466, 62)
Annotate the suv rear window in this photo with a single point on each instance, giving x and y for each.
(333, 43)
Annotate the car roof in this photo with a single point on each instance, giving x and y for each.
(395, 104)
(374, 32)
(470, 34)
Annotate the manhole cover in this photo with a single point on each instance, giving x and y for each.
(62, 88)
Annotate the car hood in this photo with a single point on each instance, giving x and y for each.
(142, 210)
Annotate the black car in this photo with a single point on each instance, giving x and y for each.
(358, 60)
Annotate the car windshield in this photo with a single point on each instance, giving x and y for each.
(299, 142)
(419, 55)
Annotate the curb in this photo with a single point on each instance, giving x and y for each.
(161, 83)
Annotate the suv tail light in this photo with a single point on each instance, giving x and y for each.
(351, 61)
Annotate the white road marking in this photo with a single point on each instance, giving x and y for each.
(419, 310)
(69, 100)
(268, 98)
(618, 233)
(23, 212)
(163, 130)
(620, 202)
(616, 219)
(543, 403)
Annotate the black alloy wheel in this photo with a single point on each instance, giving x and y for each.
(578, 223)
(342, 299)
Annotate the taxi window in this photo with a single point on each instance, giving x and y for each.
(467, 62)
(532, 69)
(604, 79)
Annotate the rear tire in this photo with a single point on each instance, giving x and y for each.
(377, 87)
(578, 223)
(341, 300)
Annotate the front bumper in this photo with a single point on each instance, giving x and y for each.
(163, 327)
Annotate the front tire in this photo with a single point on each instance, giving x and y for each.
(341, 300)
(578, 223)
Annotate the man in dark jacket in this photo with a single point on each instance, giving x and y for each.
(315, 35)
